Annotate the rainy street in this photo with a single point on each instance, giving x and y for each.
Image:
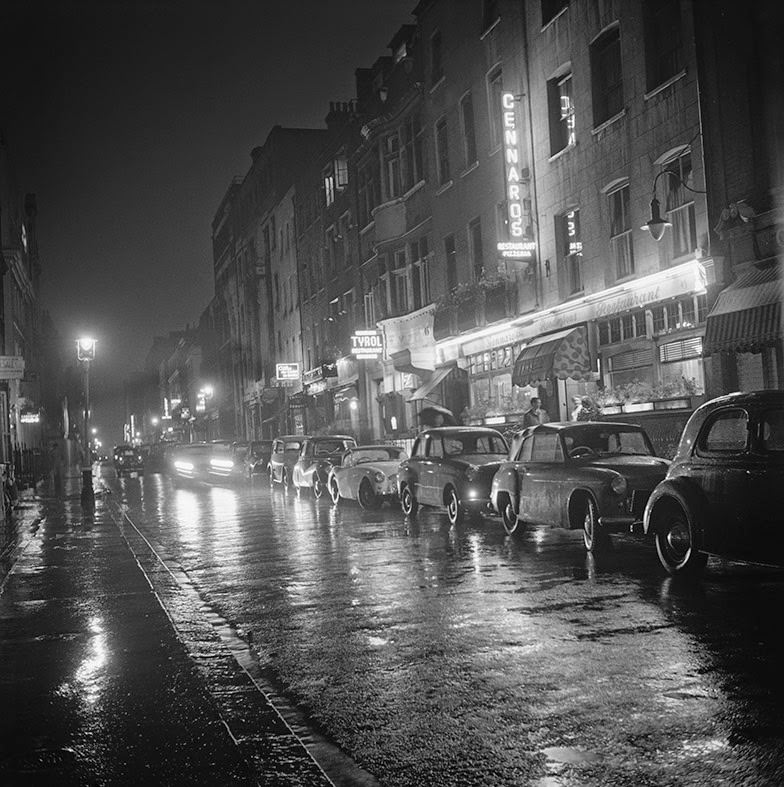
(437, 655)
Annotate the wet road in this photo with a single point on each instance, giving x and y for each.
(461, 656)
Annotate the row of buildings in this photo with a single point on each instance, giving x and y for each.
(551, 197)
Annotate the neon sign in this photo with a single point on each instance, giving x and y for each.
(367, 345)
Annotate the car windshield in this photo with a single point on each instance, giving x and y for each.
(292, 445)
(326, 447)
(378, 454)
(607, 441)
(455, 445)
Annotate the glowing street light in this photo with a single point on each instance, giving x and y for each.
(85, 352)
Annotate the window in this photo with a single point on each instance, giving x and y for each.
(727, 432)
(442, 152)
(490, 13)
(469, 133)
(663, 46)
(392, 174)
(435, 448)
(631, 366)
(399, 283)
(621, 232)
(370, 310)
(680, 204)
(546, 448)
(451, 262)
(551, 9)
(495, 87)
(436, 63)
(475, 247)
(606, 76)
(570, 252)
(413, 150)
(367, 188)
(329, 187)
(772, 430)
(420, 275)
(561, 110)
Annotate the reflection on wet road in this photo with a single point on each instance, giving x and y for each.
(438, 655)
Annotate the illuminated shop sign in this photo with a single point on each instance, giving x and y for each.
(287, 371)
(518, 247)
(31, 417)
(321, 372)
(367, 345)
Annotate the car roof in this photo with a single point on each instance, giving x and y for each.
(291, 437)
(461, 430)
(562, 425)
(332, 437)
(746, 397)
(375, 445)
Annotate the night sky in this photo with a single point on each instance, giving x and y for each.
(129, 120)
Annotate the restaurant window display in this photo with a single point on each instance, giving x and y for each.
(492, 391)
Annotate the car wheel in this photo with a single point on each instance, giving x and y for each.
(334, 492)
(675, 545)
(454, 510)
(318, 486)
(509, 516)
(367, 497)
(408, 502)
(594, 537)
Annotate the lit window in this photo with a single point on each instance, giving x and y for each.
(562, 118)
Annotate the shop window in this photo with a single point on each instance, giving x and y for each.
(632, 366)
(606, 76)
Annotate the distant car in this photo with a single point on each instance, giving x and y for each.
(590, 475)
(226, 461)
(317, 457)
(452, 467)
(724, 492)
(284, 455)
(189, 462)
(257, 457)
(367, 474)
(128, 459)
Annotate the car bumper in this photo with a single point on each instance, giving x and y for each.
(619, 524)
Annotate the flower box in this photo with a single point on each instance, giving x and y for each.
(637, 407)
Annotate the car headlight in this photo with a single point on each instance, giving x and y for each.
(619, 485)
(378, 477)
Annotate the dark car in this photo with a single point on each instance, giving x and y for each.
(128, 459)
(317, 457)
(724, 492)
(452, 467)
(285, 452)
(256, 457)
(594, 476)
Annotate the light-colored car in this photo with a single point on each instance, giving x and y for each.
(367, 474)
(317, 457)
(724, 491)
(590, 475)
(452, 467)
(189, 463)
(285, 452)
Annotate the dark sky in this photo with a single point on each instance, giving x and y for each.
(129, 120)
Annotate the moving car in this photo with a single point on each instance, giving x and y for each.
(724, 491)
(452, 467)
(128, 459)
(594, 476)
(285, 452)
(317, 457)
(367, 474)
(189, 462)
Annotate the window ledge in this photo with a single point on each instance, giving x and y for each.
(551, 21)
(562, 152)
(369, 226)
(438, 84)
(664, 85)
(490, 27)
(607, 123)
(445, 187)
(413, 190)
(469, 168)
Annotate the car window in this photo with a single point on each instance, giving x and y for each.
(726, 432)
(419, 448)
(546, 448)
(435, 448)
(380, 454)
(772, 430)
(524, 455)
(326, 447)
(292, 445)
(453, 446)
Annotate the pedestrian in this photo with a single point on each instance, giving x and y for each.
(536, 415)
(577, 401)
(588, 411)
(58, 463)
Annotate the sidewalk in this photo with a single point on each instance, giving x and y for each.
(95, 685)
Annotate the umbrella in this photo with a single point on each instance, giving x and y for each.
(435, 415)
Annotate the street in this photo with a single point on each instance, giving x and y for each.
(437, 655)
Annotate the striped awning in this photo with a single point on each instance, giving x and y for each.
(747, 315)
(559, 356)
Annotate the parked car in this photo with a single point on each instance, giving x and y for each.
(367, 474)
(724, 491)
(590, 475)
(285, 452)
(257, 457)
(189, 462)
(317, 457)
(128, 459)
(453, 467)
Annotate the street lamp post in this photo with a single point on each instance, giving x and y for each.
(85, 352)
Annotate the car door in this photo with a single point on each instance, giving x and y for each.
(542, 480)
(430, 471)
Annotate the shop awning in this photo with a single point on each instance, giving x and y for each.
(559, 355)
(439, 375)
(411, 362)
(747, 315)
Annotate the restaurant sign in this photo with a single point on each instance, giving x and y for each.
(11, 367)
(367, 345)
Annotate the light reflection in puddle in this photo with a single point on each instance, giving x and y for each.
(89, 678)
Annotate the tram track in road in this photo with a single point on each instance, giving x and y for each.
(213, 643)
